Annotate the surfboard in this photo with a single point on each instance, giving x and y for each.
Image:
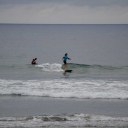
(68, 71)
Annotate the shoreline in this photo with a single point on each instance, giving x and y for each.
(22, 106)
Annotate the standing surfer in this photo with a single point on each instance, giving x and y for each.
(65, 61)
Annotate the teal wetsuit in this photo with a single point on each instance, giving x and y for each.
(65, 59)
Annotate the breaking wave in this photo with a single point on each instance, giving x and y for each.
(63, 88)
(64, 121)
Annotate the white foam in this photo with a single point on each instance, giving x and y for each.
(50, 67)
(77, 120)
(61, 88)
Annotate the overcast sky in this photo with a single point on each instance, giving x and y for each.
(64, 11)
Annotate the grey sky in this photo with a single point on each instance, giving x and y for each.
(64, 11)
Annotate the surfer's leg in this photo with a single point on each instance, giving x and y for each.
(64, 68)
(65, 65)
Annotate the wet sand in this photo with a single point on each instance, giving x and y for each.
(21, 106)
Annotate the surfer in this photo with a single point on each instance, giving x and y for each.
(34, 61)
(65, 61)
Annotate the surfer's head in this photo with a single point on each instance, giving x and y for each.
(66, 54)
(35, 58)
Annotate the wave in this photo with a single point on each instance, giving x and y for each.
(66, 88)
(50, 67)
(79, 70)
(84, 67)
(93, 71)
(76, 67)
(64, 121)
(58, 67)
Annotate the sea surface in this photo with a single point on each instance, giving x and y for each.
(99, 60)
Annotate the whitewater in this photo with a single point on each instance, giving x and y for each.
(86, 86)
(64, 121)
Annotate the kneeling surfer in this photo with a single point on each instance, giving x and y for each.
(34, 61)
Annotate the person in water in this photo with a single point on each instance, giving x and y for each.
(34, 61)
(65, 61)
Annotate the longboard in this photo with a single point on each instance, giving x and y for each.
(68, 71)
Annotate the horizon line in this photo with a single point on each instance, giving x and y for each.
(66, 23)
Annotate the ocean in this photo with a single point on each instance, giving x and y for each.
(99, 60)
